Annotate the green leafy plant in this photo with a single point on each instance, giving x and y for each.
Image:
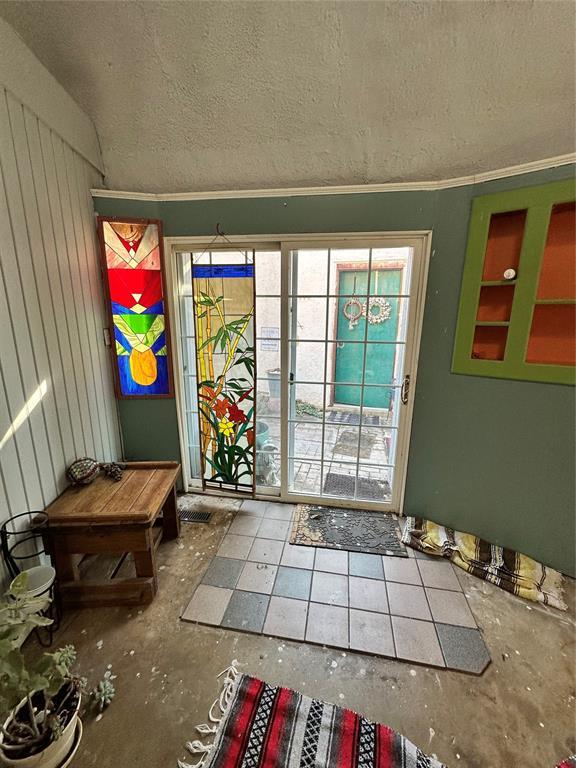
(303, 408)
(47, 686)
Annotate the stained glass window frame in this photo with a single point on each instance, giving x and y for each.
(105, 270)
(243, 489)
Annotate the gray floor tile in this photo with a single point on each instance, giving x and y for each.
(327, 624)
(438, 574)
(266, 551)
(368, 594)
(279, 511)
(286, 618)
(331, 560)
(245, 525)
(235, 546)
(371, 632)
(370, 566)
(223, 572)
(257, 577)
(298, 556)
(450, 608)
(246, 610)
(293, 582)
(330, 588)
(253, 507)
(424, 556)
(401, 569)
(416, 641)
(271, 528)
(408, 600)
(463, 648)
(208, 604)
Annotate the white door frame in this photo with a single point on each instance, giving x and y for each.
(419, 241)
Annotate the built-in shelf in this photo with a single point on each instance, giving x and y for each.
(524, 328)
(555, 301)
(493, 322)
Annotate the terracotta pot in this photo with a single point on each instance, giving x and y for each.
(56, 753)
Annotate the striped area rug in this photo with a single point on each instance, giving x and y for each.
(264, 726)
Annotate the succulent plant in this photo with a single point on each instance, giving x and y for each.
(47, 686)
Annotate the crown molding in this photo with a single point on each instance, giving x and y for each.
(352, 189)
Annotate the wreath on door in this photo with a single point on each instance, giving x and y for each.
(353, 310)
(377, 310)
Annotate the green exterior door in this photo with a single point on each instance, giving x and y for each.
(379, 359)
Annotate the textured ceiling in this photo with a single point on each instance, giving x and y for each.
(219, 95)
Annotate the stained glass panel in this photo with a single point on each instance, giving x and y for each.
(132, 255)
(224, 317)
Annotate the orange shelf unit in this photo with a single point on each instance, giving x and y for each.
(552, 339)
(558, 269)
(522, 326)
(504, 244)
(495, 303)
(489, 342)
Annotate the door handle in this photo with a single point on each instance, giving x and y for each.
(405, 389)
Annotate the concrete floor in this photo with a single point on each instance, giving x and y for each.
(519, 714)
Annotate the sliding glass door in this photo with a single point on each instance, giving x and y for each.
(336, 328)
(349, 317)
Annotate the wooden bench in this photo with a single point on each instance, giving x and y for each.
(114, 517)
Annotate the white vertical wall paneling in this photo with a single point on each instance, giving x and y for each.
(75, 299)
(54, 308)
(91, 356)
(39, 311)
(56, 393)
(94, 283)
(4, 575)
(16, 491)
(90, 175)
(68, 396)
(22, 380)
(87, 176)
(79, 403)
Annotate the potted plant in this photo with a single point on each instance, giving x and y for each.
(42, 700)
(274, 384)
(262, 433)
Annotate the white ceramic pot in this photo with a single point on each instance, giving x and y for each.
(55, 754)
(40, 579)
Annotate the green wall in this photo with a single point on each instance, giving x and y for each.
(490, 457)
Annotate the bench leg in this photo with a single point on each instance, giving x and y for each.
(65, 564)
(145, 561)
(171, 518)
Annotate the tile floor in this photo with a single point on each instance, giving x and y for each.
(411, 609)
(336, 450)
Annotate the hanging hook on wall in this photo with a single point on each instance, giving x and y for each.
(219, 232)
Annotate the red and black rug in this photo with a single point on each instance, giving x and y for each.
(264, 726)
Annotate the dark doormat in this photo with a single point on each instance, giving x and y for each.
(352, 418)
(368, 487)
(355, 530)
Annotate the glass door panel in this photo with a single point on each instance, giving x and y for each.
(349, 311)
(265, 337)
